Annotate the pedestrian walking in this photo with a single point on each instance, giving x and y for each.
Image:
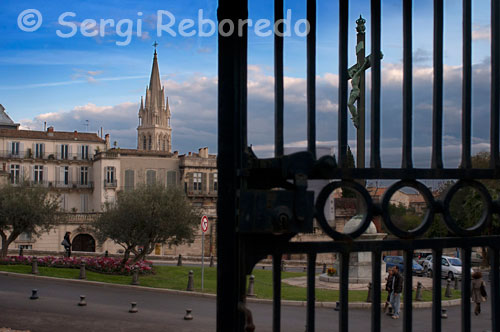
(66, 243)
(388, 288)
(397, 289)
(478, 291)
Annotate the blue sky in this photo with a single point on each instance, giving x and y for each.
(66, 81)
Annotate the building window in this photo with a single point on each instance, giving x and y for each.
(15, 173)
(216, 183)
(84, 175)
(150, 177)
(65, 171)
(144, 143)
(171, 178)
(84, 198)
(39, 149)
(110, 175)
(84, 152)
(163, 148)
(129, 180)
(150, 145)
(25, 237)
(64, 151)
(38, 174)
(14, 148)
(197, 181)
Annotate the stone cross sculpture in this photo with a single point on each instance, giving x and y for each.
(355, 72)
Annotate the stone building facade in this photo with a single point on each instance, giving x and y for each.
(87, 173)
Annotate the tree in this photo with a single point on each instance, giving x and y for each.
(148, 215)
(25, 209)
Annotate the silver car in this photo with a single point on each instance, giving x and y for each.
(451, 267)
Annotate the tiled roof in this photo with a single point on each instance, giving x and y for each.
(136, 152)
(57, 135)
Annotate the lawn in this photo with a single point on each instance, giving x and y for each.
(175, 277)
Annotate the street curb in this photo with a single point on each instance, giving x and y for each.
(352, 305)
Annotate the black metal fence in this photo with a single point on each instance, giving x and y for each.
(256, 220)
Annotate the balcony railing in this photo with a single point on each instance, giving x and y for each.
(110, 184)
(57, 184)
(28, 154)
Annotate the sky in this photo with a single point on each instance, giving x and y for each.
(74, 75)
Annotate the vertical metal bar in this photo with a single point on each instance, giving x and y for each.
(232, 101)
(376, 261)
(311, 78)
(466, 84)
(436, 286)
(344, 292)
(407, 291)
(437, 99)
(311, 291)
(278, 80)
(495, 83)
(375, 96)
(277, 292)
(466, 264)
(495, 288)
(343, 77)
(407, 84)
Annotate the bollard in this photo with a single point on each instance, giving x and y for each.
(444, 313)
(251, 282)
(34, 265)
(324, 268)
(106, 254)
(82, 302)
(447, 293)
(83, 275)
(337, 306)
(135, 277)
(190, 286)
(456, 284)
(188, 315)
(418, 295)
(263, 267)
(211, 261)
(369, 296)
(179, 260)
(34, 294)
(133, 307)
(21, 251)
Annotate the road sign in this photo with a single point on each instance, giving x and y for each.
(204, 224)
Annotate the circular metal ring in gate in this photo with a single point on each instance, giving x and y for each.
(320, 209)
(452, 224)
(428, 217)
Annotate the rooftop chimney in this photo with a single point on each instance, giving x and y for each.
(107, 141)
(50, 131)
(76, 135)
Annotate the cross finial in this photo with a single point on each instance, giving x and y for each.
(155, 45)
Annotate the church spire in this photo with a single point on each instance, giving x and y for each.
(155, 83)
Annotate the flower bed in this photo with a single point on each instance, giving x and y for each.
(97, 264)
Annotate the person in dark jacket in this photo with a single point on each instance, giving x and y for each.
(388, 288)
(397, 289)
(67, 244)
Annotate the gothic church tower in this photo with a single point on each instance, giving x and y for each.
(154, 132)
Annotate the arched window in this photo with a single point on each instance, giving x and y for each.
(144, 142)
(164, 144)
(150, 145)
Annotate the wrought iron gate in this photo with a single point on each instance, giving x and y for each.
(254, 220)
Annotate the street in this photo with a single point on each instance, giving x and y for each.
(107, 310)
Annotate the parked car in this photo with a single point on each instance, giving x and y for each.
(451, 267)
(421, 255)
(398, 261)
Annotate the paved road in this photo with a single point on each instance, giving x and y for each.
(107, 310)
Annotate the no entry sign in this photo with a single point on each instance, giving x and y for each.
(204, 224)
